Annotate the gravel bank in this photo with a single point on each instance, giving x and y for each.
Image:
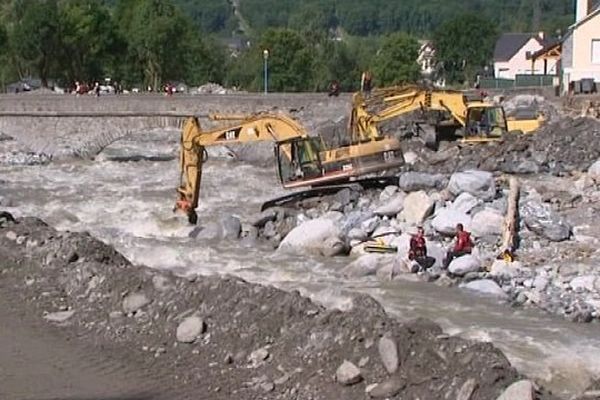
(227, 338)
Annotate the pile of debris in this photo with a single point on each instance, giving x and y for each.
(213, 88)
(233, 339)
(571, 144)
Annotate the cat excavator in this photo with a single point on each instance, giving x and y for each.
(475, 121)
(302, 160)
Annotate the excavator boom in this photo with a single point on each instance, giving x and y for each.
(302, 160)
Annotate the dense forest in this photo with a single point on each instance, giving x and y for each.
(375, 17)
(310, 42)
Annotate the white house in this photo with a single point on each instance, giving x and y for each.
(581, 45)
(512, 55)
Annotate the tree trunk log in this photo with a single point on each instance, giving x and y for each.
(509, 232)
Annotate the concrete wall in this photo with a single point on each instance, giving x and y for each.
(154, 102)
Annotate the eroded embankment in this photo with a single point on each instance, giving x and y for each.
(226, 338)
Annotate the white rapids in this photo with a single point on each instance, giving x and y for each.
(129, 205)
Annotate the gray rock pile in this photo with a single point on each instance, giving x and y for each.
(342, 224)
(213, 88)
(566, 145)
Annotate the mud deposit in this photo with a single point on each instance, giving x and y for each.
(224, 338)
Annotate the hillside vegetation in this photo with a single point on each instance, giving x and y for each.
(312, 42)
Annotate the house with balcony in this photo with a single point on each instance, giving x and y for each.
(512, 55)
(580, 60)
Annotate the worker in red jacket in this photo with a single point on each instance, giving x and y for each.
(463, 245)
(418, 251)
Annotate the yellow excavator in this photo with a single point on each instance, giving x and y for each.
(444, 111)
(302, 160)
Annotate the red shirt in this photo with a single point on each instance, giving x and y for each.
(417, 247)
(463, 241)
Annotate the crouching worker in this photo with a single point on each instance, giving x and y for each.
(418, 252)
(463, 245)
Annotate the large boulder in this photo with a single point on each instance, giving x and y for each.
(389, 271)
(487, 222)
(465, 202)
(369, 225)
(387, 193)
(437, 251)
(480, 184)
(541, 220)
(391, 207)
(354, 219)
(413, 181)
(348, 374)
(520, 390)
(333, 246)
(485, 286)
(594, 171)
(311, 236)
(385, 233)
(446, 219)
(463, 265)
(585, 282)
(402, 243)
(209, 231)
(367, 265)
(417, 207)
(190, 329)
(231, 227)
(506, 269)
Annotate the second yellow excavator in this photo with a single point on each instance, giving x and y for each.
(445, 110)
(302, 160)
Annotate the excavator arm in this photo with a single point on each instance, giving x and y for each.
(253, 128)
(395, 101)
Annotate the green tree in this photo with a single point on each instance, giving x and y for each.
(335, 61)
(290, 63)
(4, 65)
(158, 37)
(205, 60)
(464, 45)
(208, 15)
(396, 61)
(3, 41)
(88, 40)
(34, 37)
(313, 17)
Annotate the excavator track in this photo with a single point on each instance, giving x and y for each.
(326, 190)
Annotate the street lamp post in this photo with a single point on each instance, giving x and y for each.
(266, 65)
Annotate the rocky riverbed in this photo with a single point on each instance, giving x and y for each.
(228, 338)
(542, 276)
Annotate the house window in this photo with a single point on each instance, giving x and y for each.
(596, 51)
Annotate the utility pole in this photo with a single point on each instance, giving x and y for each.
(266, 65)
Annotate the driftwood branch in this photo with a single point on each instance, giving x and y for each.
(509, 231)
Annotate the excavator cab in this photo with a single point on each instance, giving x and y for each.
(484, 123)
(298, 160)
